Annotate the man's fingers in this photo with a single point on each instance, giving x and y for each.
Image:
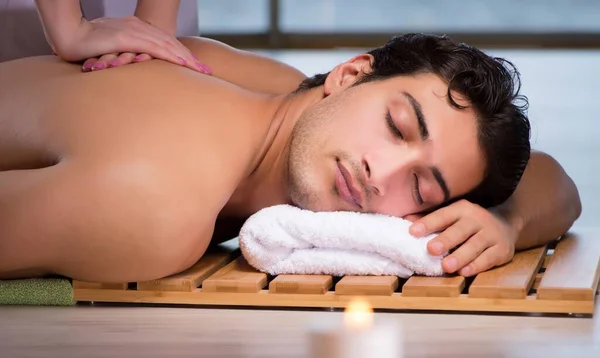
(465, 255)
(486, 260)
(435, 221)
(452, 237)
(493, 256)
(413, 217)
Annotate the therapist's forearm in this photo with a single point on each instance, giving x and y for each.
(159, 13)
(60, 19)
(545, 204)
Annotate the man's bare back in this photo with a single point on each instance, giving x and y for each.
(142, 158)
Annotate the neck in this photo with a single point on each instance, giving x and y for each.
(266, 185)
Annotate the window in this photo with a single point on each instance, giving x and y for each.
(320, 23)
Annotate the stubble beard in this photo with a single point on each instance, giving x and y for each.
(305, 187)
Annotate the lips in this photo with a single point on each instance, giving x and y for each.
(347, 188)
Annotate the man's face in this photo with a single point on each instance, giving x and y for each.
(394, 147)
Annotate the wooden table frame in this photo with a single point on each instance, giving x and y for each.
(560, 278)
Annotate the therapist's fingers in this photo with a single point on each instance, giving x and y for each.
(173, 51)
(113, 60)
(103, 61)
(194, 62)
(106, 38)
(123, 59)
(156, 43)
(142, 57)
(171, 48)
(88, 64)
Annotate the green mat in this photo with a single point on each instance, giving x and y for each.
(37, 292)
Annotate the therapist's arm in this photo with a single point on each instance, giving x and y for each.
(60, 19)
(246, 69)
(159, 13)
(73, 38)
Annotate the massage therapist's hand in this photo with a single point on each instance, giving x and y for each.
(122, 41)
(485, 238)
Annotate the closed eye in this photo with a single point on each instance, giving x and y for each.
(392, 126)
(417, 191)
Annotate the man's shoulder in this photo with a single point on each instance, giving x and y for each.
(244, 68)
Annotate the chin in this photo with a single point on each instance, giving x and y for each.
(313, 197)
(313, 202)
(320, 200)
(322, 208)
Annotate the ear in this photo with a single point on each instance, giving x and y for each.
(347, 73)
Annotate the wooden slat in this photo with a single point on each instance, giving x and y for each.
(237, 276)
(512, 280)
(572, 273)
(367, 285)
(546, 260)
(421, 286)
(191, 278)
(537, 280)
(330, 299)
(101, 286)
(301, 284)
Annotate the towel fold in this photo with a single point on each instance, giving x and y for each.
(284, 239)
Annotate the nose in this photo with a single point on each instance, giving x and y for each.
(384, 170)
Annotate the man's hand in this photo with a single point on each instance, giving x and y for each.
(121, 41)
(485, 238)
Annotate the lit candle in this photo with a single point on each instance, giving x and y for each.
(358, 337)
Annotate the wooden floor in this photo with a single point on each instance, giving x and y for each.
(563, 90)
(195, 332)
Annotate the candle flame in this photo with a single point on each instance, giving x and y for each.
(358, 314)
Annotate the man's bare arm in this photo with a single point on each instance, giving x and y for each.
(543, 207)
(245, 69)
(545, 204)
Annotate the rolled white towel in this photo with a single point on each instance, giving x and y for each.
(285, 239)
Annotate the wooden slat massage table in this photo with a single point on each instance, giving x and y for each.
(560, 278)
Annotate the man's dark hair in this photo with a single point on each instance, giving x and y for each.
(490, 84)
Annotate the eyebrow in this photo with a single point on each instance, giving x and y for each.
(423, 130)
(424, 133)
(439, 178)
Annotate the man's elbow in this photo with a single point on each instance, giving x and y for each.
(576, 201)
(570, 199)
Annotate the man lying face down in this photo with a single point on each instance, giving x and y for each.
(126, 174)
